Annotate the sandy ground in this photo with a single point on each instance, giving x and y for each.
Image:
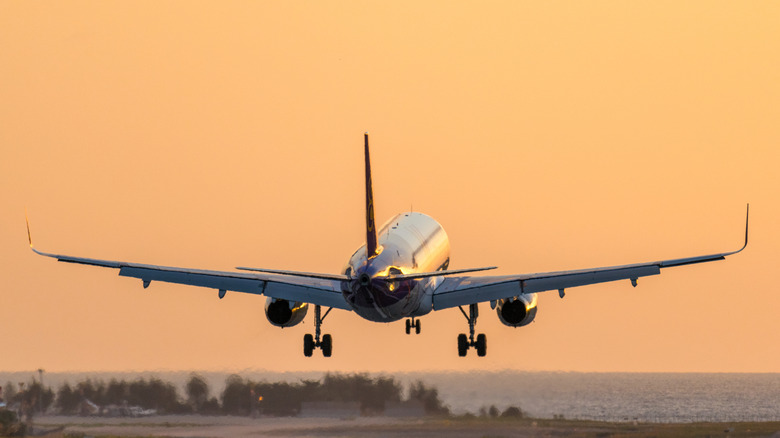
(201, 426)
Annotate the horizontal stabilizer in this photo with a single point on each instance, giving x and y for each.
(434, 274)
(297, 273)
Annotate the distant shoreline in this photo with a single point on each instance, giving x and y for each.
(612, 397)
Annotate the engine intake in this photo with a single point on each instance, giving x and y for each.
(517, 312)
(283, 313)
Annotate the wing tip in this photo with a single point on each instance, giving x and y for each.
(747, 224)
(747, 228)
(29, 236)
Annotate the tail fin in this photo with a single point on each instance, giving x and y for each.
(371, 243)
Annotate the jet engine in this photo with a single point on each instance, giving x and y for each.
(283, 313)
(517, 311)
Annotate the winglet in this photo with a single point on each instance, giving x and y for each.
(747, 222)
(371, 240)
(27, 219)
(710, 257)
(29, 237)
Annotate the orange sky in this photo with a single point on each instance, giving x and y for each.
(541, 135)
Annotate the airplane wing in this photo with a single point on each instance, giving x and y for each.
(461, 291)
(318, 289)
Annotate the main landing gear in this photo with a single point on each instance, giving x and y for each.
(464, 343)
(311, 342)
(412, 322)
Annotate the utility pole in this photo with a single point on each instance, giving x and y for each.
(40, 397)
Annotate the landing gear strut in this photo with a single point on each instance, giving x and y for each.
(412, 322)
(311, 342)
(464, 343)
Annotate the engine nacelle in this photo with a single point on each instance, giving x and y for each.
(283, 313)
(517, 312)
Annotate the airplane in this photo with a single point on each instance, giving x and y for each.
(401, 272)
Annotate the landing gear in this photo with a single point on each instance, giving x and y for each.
(464, 343)
(308, 345)
(481, 345)
(311, 342)
(412, 322)
(327, 345)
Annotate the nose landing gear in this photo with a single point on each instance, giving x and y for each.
(464, 343)
(311, 342)
(412, 322)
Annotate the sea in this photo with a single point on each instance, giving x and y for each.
(640, 397)
(620, 397)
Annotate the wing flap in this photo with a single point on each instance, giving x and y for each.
(306, 294)
(459, 291)
(461, 295)
(319, 291)
(252, 286)
(565, 281)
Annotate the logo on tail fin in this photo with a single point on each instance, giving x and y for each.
(370, 216)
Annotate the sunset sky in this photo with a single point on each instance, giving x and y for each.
(542, 135)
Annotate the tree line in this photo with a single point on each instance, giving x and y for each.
(240, 397)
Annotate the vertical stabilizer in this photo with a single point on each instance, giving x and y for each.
(370, 224)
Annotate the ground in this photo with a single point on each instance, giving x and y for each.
(201, 426)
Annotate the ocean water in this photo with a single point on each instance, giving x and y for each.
(644, 397)
(653, 397)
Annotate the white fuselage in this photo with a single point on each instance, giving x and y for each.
(408, 243)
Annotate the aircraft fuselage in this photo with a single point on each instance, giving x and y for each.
(408, 243)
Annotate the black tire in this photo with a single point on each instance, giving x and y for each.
(408, 326)
(481, 345)
(327, 345)
(463, 345)
(308, 345)
(417, 327)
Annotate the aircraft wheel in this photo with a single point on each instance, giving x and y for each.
(308, 345)
(463, 345)
(481, 345)
(417, 327)
(327, 345)
(408, 326)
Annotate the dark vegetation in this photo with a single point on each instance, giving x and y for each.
(240, 397)
(10, 424)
